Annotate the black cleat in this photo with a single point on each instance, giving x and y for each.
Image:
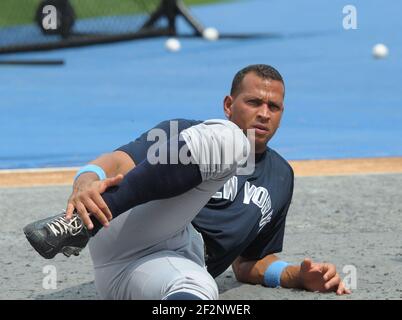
(53, 235)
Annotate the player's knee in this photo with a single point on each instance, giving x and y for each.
(233, 143)
(218, 147)
(199, 285)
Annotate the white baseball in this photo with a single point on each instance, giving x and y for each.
(380, 51)
(172, 44)
(210, 34)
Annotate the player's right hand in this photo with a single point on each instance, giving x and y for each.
(86, 200)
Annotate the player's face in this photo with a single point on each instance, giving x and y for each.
(258, 105)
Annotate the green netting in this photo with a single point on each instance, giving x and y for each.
(82, 22)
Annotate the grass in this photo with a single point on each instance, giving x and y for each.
(16, 12)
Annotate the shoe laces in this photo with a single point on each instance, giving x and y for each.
(61, 225)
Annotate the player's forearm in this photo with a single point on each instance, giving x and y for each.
(106, 162)
(253, 272)
(114, 163)
(249, 274)
(111, 163)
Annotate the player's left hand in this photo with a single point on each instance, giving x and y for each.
(321, 277)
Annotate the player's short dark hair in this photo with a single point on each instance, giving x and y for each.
(264, 71)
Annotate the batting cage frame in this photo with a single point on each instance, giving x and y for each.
(67, 37)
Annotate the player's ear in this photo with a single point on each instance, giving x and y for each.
(227, 106)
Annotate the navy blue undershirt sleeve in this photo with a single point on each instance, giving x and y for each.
(147, 182)
(138, 148)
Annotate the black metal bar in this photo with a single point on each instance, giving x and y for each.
(170, 9)
(84, 41)
(183, 11)
(32, 62)
(155, 16)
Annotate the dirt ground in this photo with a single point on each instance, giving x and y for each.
(353, 221)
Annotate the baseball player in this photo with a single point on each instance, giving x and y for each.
(167, 213)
